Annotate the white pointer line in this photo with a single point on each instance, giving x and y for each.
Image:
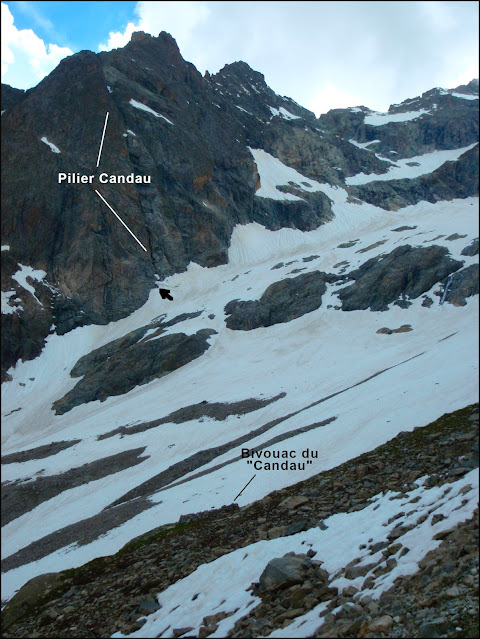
(103, 137)
(119, 218)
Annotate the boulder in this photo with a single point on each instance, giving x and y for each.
(464, 284)
(276, 531)
(293, 502)
(297, 527)
(380, 624)
(285, 571)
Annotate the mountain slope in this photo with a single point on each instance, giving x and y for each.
(325, 297)
(230, 549)
(191, 136)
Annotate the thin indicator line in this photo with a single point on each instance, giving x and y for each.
(119, 218)
(103, 137)
(244, 488)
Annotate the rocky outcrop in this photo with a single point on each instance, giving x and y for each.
(472, 249)
(404, 328)
(281, 302)
(285, 571)
(406, 272)
(443, 121)
(464, 284)
(133, 366)
(99, 356)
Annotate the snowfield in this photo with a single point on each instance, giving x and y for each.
(379, 119)
(464, 96)
(327, 354)
(410, 167)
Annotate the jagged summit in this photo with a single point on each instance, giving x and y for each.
(164, 43)
(141, 36)
(243, 69)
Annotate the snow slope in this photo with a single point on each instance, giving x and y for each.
(411, 167)
(379, 119)
(144, 107)
(327, 355)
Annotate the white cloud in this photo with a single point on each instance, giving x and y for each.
(177, 18)
(116, 39)
(25, 58)
(324, 54)
(331, 97)
(471, 71)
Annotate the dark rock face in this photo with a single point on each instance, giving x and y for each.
(11, 96)
(406, 271)
(134, 365)
(281, 302)
(464, 284)
(23, 337)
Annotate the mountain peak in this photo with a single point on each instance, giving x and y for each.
(140, 36)
(164, 40)
(241, 68)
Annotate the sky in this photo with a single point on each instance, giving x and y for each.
(324, 55)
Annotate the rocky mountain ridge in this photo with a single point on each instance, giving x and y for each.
(194, 141)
